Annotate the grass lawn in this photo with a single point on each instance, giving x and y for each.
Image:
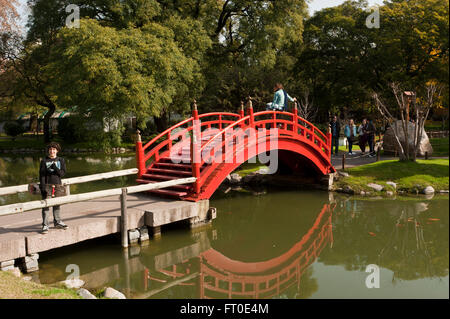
(407, 175)
(12, 287)
(440, 146)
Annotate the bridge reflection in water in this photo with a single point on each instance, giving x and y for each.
(217, 276)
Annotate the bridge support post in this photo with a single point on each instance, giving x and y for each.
(124, 218)
(241, 111)
(139, 155)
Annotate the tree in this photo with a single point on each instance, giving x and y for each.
(420, 107)
(8, 15)
(107, 72)
(307, 109)
(344, 61)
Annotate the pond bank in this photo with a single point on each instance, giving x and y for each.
(387, 178)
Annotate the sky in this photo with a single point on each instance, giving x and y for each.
(314, 5)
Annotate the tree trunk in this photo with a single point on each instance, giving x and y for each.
(47, 117)
(161, 122)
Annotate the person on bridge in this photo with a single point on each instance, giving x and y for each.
(350, 134)
(280, 99)
(51, 169)
(335, 131)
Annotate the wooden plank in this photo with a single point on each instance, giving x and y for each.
(73, 180)
(22, 207)
(100, 176)
(13, 189)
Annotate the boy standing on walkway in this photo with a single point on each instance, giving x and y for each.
(51, 169)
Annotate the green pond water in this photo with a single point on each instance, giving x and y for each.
(273, 243)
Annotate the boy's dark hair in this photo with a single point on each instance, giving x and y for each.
(54, 145)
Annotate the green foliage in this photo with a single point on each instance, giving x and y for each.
(70, 130)
(110, 73)
(14, 128)
(151, 58)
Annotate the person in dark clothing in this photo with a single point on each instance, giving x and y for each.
(335, 129)
(370, 133)
(51, 169)
(362, 137)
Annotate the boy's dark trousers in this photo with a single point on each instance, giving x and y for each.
(56, 209)
(335, 144)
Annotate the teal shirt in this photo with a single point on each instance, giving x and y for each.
(278, 99)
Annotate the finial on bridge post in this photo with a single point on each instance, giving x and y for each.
(250, 111)
(241, 111)
(194, 110)
(138, 136)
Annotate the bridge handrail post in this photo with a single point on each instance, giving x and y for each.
(124, 218)
(139, 155)
(294, 118)
(195, 149)
(241, 111)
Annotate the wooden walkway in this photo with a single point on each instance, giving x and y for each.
(20, 233)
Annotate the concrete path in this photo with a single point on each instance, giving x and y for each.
(20, 233)
(356, 159)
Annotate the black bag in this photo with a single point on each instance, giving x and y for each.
(55, 190)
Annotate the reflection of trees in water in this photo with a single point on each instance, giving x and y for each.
(407, 252)
(397, 235)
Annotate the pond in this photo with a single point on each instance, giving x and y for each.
(276, 243)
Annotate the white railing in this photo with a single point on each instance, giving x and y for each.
(73, 180)
(27, 206)
(56, 201)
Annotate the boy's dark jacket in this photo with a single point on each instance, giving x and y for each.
(50, 172)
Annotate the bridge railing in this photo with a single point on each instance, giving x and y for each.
(69, 199)
(70, 181)
(288, 123)
(181, 131)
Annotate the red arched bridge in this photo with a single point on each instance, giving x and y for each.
(212, 145)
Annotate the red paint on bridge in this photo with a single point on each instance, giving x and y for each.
(221, 143)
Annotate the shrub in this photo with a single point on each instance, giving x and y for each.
(13, 129)
(71, 130)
